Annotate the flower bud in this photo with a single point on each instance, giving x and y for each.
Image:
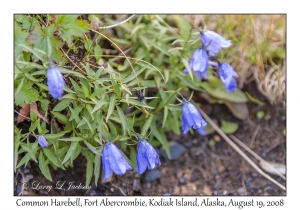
(42, 141)
(55, 82)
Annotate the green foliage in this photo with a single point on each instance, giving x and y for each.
(100, 97)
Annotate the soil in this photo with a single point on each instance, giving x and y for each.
(202, 170)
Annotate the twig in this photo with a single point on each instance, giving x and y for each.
(125, 52)
(138, 83)
(111, 26)
(254, 135)
(22, 115)
(255, 155)
(117, 56)
(72, 61)
(238, 150)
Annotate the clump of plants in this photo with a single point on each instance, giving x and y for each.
(82, 88)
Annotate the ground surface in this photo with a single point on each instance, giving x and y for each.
(199, 169)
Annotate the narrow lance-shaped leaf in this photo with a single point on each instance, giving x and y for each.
(44, 167)
(70, 151)
(111, 106)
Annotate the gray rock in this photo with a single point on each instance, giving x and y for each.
(152, 175)
(182, 180)
(176, 151)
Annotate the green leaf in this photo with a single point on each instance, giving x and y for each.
(28, 23)
(75, 113)
(47, 42)
(184, 27)
(24, 160)
(228, 127)
(29, 151)
(70, 96)
(88, 45)
(69, 26)
(77, 88)
(166, 111)
(111, 106)
(99, 104)
(216, 88)
(27, 94)
(71, 150)
(165, 101)
(92, 148)
(159, 48)
(97, 52)
(146, 126)
(133, 157)
(254, 100)
(134, 75)
(161, 138)
(60, 152)
(136, 103)
(52, 158)
(97, 168)
(33, 125)
(189, 82)
(89, 124)
(60, 117)
(44, 104)
(89, 166)
(55, 136)
(62, 105)
(67, 71)
(19, 38)
(20, 86)
(75, 139)
(123, 121)
(44, 167)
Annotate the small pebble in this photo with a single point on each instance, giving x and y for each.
(176, 151)
(193, 178)
(182, 180)
(152, 175)
(241, 191)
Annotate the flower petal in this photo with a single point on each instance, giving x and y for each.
(42, 141)
(197, 118)
(105, 163)
(213, 42)
(200, 60)
(140, 159)
(229, 83)
(55, 82)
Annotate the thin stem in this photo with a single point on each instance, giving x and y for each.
(111, 26)
(22, 115)
(72, 61)
(120, 56)
(256, 156)
(120, 51)
(238, 150)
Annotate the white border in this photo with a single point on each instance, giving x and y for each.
(140, 7)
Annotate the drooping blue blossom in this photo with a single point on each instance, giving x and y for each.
(55, 82)
(191, 117)
(227, 74)
(213, 42)
(199, 63)
(146, 156)
(113, 161)
(42, 141)
(202, 131)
